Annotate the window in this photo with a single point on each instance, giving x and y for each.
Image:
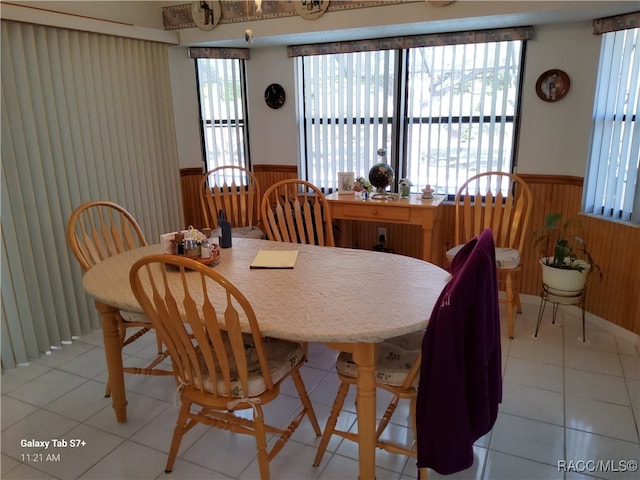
(611, 186)
(443, 113)
(221, 93)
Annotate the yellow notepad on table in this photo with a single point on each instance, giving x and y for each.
(275, 259)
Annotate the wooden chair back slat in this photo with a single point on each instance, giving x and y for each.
(296, 211)
(100, 229)
(496, 200)
(233, 189)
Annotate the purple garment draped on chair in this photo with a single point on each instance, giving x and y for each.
(460, 378)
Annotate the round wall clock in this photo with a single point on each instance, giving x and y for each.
(552, 85)
(206, 14)
(274, 95)
(311, 9)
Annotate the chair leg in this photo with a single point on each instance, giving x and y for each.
(413, 406)
(388, 413)
(261, 442)
(422, 474)
(306, 402)
(178, 432)
(331, 422)
(510, 304)
(159, 345)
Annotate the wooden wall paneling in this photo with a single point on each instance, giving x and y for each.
(190, 185)
(615, 246)
(267, 175)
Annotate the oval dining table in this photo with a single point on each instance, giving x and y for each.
(348, 299)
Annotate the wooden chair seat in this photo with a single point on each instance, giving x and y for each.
(280, 356)
(506, 258)
(395, 358)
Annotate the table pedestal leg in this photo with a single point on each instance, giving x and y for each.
(364, 357)
(113, 352)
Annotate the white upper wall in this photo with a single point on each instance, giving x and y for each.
(554, 137)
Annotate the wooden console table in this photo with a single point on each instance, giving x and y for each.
(411, 211)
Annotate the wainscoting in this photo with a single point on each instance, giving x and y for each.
(615, 246)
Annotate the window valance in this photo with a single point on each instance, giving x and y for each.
(618, 22)
(210, 52)
(413, 41)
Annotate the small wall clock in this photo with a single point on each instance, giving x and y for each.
(274, 95)
(206, 14)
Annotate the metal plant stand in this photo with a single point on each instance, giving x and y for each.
(558, 297)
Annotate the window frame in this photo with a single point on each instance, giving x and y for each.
(602, 194)
(400, 121)
(243, 154)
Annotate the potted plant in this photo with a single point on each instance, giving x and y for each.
(567, 261)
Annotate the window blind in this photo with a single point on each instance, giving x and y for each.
(442, 113)
(85, 116)
(611, 188)
(221, 92)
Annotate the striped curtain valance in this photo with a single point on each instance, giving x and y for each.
(413, 41)
(618, 22)
(227, 53)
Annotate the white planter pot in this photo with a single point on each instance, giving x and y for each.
(564, 282)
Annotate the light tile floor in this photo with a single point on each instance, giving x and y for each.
(564, 401)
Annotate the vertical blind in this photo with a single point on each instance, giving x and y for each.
(348, 110)
(461, 111)
(612, 189)
(221, 91)
(444, 112)
(84, 116)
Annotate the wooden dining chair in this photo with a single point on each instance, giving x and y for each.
(397, 366)
(96, 231)
(236, 191)
(222, 362)
(502, 202)
(296, 211)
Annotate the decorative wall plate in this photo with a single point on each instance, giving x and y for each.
(206, 14)
(552, 85)
(311, 9)
(274, 95)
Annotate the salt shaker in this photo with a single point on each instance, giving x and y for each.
(205, 248)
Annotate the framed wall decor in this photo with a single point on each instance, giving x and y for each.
(206, 14)
(552, 85)
(311, 9)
